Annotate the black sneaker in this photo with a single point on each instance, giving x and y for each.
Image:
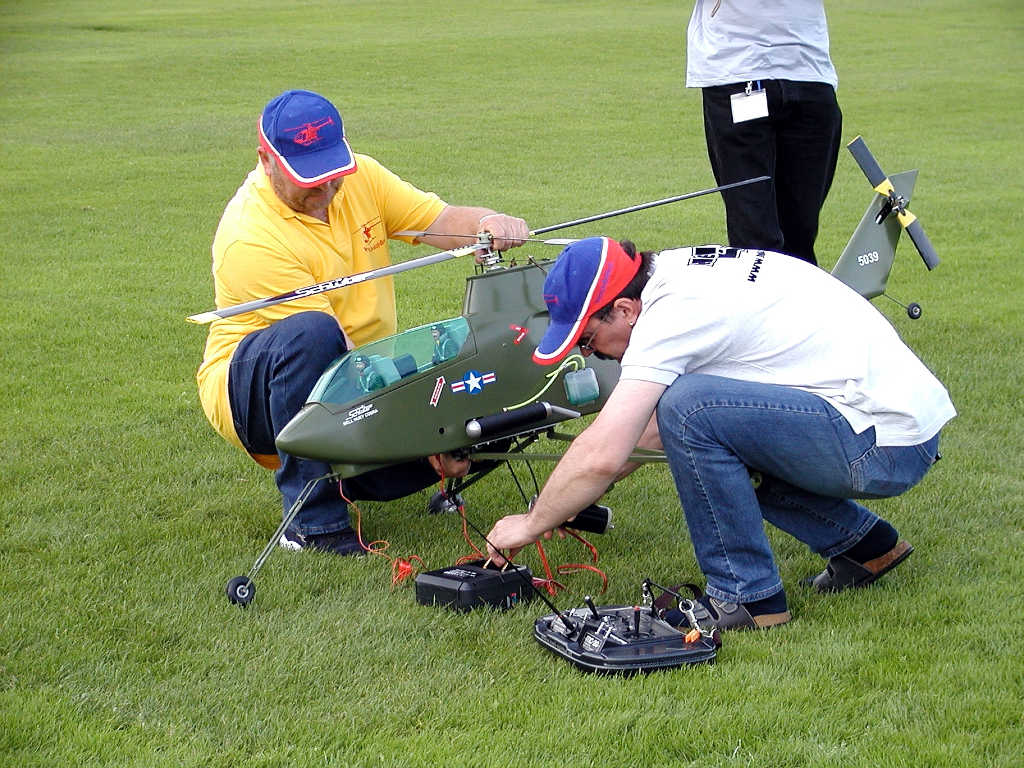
(441, 503)
(343, 542)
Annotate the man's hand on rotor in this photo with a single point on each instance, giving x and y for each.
(506, 231)
(460, 225)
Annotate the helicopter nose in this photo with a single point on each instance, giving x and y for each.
(310, 434)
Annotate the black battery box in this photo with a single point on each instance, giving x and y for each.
(468, 586)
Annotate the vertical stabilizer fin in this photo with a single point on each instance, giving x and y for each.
(867, 259)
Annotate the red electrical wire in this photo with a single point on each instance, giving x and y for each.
(576, 535)
(574, 567)
(401, 568)
(549, 582)
(404, 568)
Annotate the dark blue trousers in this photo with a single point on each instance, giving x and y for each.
(797, 145)
(272, 372)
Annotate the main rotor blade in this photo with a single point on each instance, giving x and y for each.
(551, 241)
(644, 206)
(330, 285)
(609, 214)
(434, 258)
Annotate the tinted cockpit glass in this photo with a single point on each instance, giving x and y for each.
(383, 363)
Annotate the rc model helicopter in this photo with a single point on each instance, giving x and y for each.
(467, 384)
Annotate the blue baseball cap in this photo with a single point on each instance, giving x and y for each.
(588, 275)
(304, 132)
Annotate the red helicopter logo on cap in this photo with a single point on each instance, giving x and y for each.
(309, 132)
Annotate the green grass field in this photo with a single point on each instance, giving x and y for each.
(127, 126)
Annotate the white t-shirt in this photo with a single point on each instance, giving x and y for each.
(776, 40)
(767, 317)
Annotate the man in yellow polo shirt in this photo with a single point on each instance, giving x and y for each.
(312, 210)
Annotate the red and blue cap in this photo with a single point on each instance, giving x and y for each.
(304, 133)
(588, 275)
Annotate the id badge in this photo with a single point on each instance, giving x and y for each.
(749, 104)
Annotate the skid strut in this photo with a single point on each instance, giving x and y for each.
(240, 589)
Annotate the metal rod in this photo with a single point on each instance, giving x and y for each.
(644, 206)
(300, 500)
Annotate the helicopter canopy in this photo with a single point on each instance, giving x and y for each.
(382, 363)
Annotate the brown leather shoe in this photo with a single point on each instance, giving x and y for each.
(843, 572)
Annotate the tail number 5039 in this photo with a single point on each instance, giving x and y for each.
(867, 258)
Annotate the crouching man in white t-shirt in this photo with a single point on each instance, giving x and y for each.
(740, 363)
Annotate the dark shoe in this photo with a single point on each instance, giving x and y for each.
(723, 615)
(442, 503)
(710, 612)
(343, 542)
(843, 572)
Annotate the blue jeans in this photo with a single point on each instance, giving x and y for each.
(716, 430)
(272, 372)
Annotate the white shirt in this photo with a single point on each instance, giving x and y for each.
(763, 40)
(767, 317)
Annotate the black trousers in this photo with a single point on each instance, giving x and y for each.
(797, 145)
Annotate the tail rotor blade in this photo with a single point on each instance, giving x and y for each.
(882, 185)
(921, 242)
(869, 165)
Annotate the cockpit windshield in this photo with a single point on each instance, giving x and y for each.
(382, 363)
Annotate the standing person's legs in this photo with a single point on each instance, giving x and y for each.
(715, 430)
(808, 126)
(740, 151)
